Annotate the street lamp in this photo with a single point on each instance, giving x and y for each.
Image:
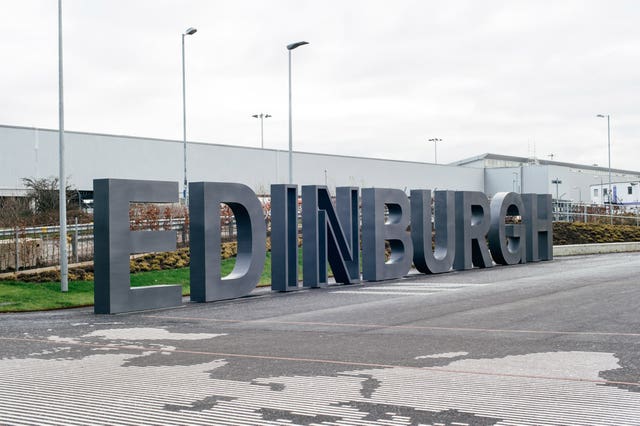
(608, 117)
(435, 148)
(64, 266)
(188, 31)
(579, 193)
(557, 183)
(290, 47)
(261, 116)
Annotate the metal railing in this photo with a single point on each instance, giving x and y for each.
(35, 247)
(569, 211)
(39, 246)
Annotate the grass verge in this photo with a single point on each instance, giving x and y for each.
(17, 296)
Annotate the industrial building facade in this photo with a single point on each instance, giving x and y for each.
(33, 153)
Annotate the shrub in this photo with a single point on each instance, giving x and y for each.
(587, 233)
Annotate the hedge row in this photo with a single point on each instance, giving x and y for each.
(586, 233)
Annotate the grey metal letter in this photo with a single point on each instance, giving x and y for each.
(507, 241)
(440, 258)
(375, 231)
(207, 284)
(472, 224)
(330, 234)
(114, 242)
(538, 220)
(284, 237)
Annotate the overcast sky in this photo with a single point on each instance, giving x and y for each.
(379, 78)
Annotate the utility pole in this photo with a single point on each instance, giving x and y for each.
(64, 266)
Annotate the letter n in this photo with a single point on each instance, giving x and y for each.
(330, 234)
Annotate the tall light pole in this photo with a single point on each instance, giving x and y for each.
(435, 148)
(290, 47)
(64, 266)
(261, 116)
(189, 31)
(608, 117)
(579, 193)
(557, 183)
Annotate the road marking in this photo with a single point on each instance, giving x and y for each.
(405, 289)
(386, 293)
(107, 389)
(312, 360)
(408, 327)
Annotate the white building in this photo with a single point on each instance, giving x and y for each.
(33, 153)
(564, 181)
(624, 193)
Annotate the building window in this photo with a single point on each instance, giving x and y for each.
(595, 192)
(604, 191)
(630, 190)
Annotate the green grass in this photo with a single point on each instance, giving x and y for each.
(17, 296)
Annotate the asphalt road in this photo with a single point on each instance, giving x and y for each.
(546, 343)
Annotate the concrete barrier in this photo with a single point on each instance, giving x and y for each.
(577, 249)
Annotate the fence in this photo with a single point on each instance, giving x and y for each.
(568, 211)
(35, 247)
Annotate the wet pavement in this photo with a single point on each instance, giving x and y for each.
(542, 343)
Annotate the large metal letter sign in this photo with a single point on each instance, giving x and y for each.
(439, 259)
(329, 236)
(347, 204)
(114, 242)
(464, 230)
(284, 237)
(538, 221)
(375, 231)
(472, 225)
(507, 241)
(207, 283)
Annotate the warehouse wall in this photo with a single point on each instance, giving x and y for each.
(28, 152)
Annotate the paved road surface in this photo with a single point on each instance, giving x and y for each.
(547, 343)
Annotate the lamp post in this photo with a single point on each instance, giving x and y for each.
(64, 266)
(608, 117)
(435, 148)
(189, 31)
(557, 183)
(584, 206)
(261, 116)
(636, 201)
(579, 193)
(290, 47)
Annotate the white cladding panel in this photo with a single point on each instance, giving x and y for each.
(34, 153)
(506, 179)
(535, 179)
